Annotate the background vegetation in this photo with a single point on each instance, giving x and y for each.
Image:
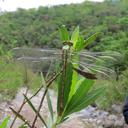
(38, 28)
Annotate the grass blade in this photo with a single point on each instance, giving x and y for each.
(34, 109)
(20, 117)
(48, 98)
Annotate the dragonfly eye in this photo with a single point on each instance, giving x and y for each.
(68, 43)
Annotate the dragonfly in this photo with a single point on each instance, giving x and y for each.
(89, 62)
(85, 63)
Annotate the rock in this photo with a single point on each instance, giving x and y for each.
(88, 112)
(125, 126)
(112, 117)
(99, 122)
(77, 123)
(90, 117)
(96, 114)
(119, 123)
(103, 115)
(85, 114)
(108, 124)
(116, 108)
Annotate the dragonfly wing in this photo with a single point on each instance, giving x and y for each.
(98, 62)
(38, 59)
(36, 52)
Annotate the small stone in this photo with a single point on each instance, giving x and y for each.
(91, 109)
(119, 124)
(108, 124)
(103, 115)
(112, 117)
(96, 114)
(99, 122)
(116, 108)
(85, 114)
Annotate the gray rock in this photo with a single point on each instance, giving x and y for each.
(108, 123)
(99, 122)
(85, 114)
(103, 115)
(112, 117)
(119, 123)
(116, 108)
(88, 112)
(91, 109)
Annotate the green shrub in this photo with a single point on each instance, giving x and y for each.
(116, 91)
(12, 77)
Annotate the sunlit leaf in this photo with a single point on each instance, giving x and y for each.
(4, 123)
(91, 39)
(85, 101)
(75, 36)
(64, 33)
(80, 43)
(83, 88)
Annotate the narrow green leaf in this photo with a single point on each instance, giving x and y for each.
(64, 33)
(81, 92)
(34, 109)
(20, 117)
(49, 105)
(59, 87)
(75, 36)
(74, 77)
(64, 87)
(90, 39)
(73, 86)
(68, 82)
(80, 43)
(4, 124)
(86, 100)
(48, 98)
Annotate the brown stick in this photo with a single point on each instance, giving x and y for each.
(24, 102)
(19, 110)
(21, 117)
(42, 99)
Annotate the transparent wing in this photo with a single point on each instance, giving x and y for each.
(92, 62)
(98, 62)
(38, 59)
(36, 53)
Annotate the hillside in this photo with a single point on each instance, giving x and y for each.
(74, 76)
(39, 27)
